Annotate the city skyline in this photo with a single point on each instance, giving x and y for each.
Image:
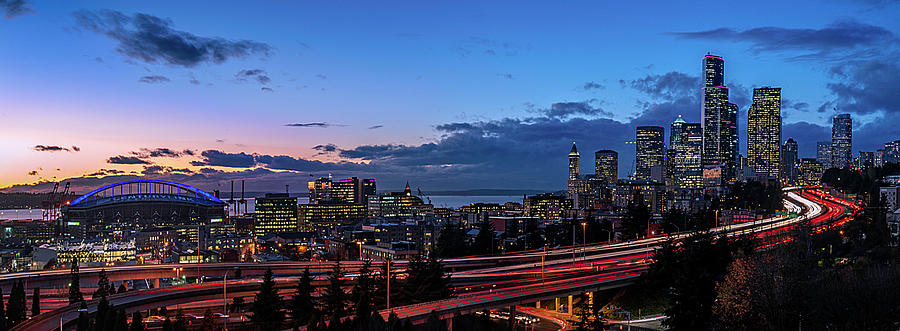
(274, 106)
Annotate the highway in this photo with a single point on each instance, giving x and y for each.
(493, 282)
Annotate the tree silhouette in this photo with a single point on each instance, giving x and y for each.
(75, 283)
(266, 308)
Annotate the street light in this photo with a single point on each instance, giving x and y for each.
(583, 242)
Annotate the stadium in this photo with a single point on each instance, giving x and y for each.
(137, 204)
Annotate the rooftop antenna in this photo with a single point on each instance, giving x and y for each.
(242, 201)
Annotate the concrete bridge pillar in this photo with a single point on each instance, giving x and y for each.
(512, 317)
(570, 305)
(556, 305)
(155, 282)
(537, 304)
(450, 324)
(590, 298)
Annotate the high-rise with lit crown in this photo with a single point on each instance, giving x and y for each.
(841, 141)
(719, 119)
(764, 131)
(606, 166)
(574, 159)
(649, 150)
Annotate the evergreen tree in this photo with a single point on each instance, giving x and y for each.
(103, 309)
(75, 284)
(103, 286)
(137, 322)
(361, 294)
(237, 305)
(426, 281)
(16, 309)
(335, 297)
(122, 288)
(180, 323)
(84, 322)
(121, 320)
(109, 320)
(303, 307)
(451, 241)
(209, 321)
(266, 309)
(434, 322)
(637, 216)
(167, 325)
(590, 317)
(484, 241)
(164, 312)
(36, 302)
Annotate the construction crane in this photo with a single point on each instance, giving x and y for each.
(48, 204)
(423, 195)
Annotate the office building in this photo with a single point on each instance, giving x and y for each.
(891, 152)
(649, 150)
(397, 205)
(865, 160)
(811, 172)
(841, 141)
(789, 162)
(719, 118)
(574, 159)
(686, 146)
(547, 206)
(350, 190)
(276, 212)
(606, 166)
(764, 132)
(823, 154)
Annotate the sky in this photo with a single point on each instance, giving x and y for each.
(448, 95)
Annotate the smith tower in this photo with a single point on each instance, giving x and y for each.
(764, 131)
(574, 159)
(719, 119)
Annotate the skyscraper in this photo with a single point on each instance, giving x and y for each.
(686, 145)
(606, 165)
(789, 162)
(841, 141)
(764, 131)
(649, 150)
(718, 119)
(574, 159)
(823, 154)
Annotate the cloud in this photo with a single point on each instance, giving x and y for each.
(145, 153)
(154, 79)
(258, 75)
(826, 42)
(867, 86)
(105, 172)
(15, 8)
(321, 76)
(669, 86)
(326, 149)
(33, 173)
(313, 125)
(567, 109)
(122, 159)
(506, 75)
(222, 159)
(266, 89)
(53, 148)
(152, 39)
(593, 86)
(379, 126)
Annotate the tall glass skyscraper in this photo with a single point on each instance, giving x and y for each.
(789, 162)
(685, 146)
(719, 119)
(823, 154)
(649, 150)
(841, 141)
(764, 131)
(606, 165)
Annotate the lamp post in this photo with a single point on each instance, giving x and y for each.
(583, 241)
(225, 300)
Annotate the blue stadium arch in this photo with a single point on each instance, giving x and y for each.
(145, 190)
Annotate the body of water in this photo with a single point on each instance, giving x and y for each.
(21, 214)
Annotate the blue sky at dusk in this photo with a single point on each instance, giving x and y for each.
(448, 95)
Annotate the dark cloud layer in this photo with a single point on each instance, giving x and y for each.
(122, 159)
(566, 109)
(824, 42)
(15, 8)
(152, 39)
(258, 75)
(52, 148)
(313, 125)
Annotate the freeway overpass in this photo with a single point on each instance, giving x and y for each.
(602, 267)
